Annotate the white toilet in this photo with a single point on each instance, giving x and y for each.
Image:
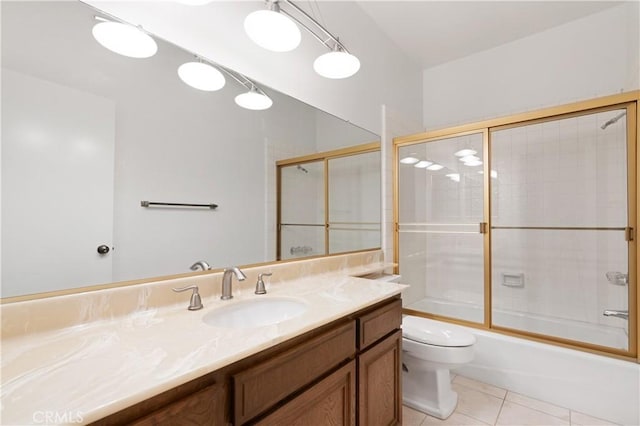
(429, 349)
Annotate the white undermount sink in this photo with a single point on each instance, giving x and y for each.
(256, 312)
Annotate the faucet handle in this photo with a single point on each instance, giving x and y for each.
(195, 302)
(260, 284)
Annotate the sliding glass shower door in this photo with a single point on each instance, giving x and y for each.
(441, 216)
(525, 225)
(560, 258)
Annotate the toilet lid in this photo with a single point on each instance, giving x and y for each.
(435, 333)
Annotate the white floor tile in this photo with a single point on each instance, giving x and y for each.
(456, 419)
(536, 404)
(411, 417)
(514, 414)
(584, 420)
(476, 404)
(480, 386)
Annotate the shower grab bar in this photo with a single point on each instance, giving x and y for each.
(155, 203)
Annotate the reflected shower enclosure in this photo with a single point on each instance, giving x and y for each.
(526, 228)
(329, 202)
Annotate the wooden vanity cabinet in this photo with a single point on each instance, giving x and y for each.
(344, 373)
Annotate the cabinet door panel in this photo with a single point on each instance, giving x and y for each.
(331, 402)
(380, 390)
(259, 388)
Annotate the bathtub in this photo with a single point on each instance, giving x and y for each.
(597, 334)
(596, 385)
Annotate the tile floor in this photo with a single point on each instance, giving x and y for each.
(483, 404)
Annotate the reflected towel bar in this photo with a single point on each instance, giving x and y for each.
(154, 203)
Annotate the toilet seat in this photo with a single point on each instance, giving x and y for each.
(435, 333)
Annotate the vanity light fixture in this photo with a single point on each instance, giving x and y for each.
(265, 26)
(410, 159)
(336, 64)
(124, 39)
(201, 76)
(271, 29)
(254, 99)
(423, 164)
(435, 167)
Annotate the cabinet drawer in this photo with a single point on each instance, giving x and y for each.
(377, 324)
(260, 387)
(330, 402)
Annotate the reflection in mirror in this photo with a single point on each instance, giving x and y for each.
(329, 202)
(88, 134)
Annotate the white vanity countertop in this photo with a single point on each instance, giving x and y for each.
(91, 370)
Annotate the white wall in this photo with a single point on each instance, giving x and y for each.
(594, 56)
(216, 32)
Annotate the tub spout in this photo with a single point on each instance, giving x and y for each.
(617, 314)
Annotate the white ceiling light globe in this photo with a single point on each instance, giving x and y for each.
(201, 76)
(124, 39)
(253, 100)
(336, 64)
(272, 31)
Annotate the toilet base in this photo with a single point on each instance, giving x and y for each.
(429, 392)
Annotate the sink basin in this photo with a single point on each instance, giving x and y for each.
(256, 313)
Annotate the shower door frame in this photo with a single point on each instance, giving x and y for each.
(628, 101)
(323, 157)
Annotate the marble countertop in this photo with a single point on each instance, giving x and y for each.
(87, 371)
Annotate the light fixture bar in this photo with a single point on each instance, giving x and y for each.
(316, 23)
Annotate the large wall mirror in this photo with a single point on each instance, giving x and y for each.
(88, 134)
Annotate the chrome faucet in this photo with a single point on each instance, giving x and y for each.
(226, 281)
(617, 314)
(200, 264)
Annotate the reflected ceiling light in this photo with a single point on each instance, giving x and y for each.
(473, 163)
(468, 158)
(409, 160)
(201, 76)
(454, 177)
(494, 174)
(336, 64)
(254, 100)
(124, 39)
(423, 164)
(435, 167)
(465, 152)
(271, 29)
